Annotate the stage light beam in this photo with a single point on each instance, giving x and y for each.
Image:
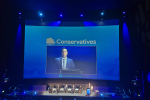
(61, 15)
(81, 15)
(40, 14)
(102, 13)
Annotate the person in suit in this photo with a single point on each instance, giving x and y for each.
(80, 90)
(66, 88)
(73, 89)
(64, 62)
(58, 89)
(50, 89)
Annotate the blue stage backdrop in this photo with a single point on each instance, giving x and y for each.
(93, 47)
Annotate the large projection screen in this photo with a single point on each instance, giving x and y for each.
(74, 50)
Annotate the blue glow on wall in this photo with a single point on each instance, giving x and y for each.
(18, 38)
(88, 23)
(126, 35)
(148, 77)
(55, 23)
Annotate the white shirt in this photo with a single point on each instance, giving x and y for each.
(89, 85)
(65, 62)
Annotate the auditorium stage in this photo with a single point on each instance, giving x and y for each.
(83, 94)
(46, 93)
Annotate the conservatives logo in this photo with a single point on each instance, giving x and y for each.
(51, 41)
(60, 76)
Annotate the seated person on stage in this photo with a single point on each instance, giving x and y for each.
(58, 89)
(50, 89)
(73, 89)
(64, 62)
(80, 90)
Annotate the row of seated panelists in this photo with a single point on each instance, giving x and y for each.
(64, 89)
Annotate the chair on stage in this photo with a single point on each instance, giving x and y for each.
(62, 89)
(54, 89)
(76, 89)
(69, 89)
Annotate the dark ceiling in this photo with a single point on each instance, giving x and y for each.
(71, 5)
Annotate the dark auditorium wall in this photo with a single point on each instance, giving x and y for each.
(8, 31)
(142, 18)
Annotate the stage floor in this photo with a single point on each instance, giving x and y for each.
(45, 95)
(84, 93)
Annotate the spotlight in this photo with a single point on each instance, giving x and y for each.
(19, 13)
(138, 95)
(101, 94)
(35, 92)
(102, 13)
(61, 15)
(81, 15)
(40, 14)
(3, 91)
(24, 92)
(124, 12)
